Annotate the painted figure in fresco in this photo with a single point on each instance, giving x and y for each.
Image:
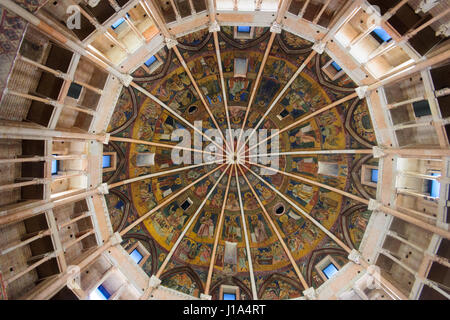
(219, 258)
(277, 252)
(202, 189)
(253, 63)
(232, 202)
(205, 253)
(236, 115)
(149, 114)
(183, 249)
(287, 291)
(295, 104)
(164, 126)
(316, 278)
(258, 229)
(210, 89)
(220, 117)
(306, 166)
(163, 227)
(329, 130)
(193, 250)
(270, 294)
(250, 201)
(168, 182)
(264, 256)
(175, 84)
(242, 260)
(197, 69)
(286, 225)
(217, 200)
(181, 282)
(327, 204)
(295, 244)
(266, 194)
(211, 65)
(146, 196)
(193, 38)
(183, 100)
(301, 192)
(232, 230)
(162, 92)
(238, 88)
(206, 226)
(300, 138)
(309, 232)
(177, 219)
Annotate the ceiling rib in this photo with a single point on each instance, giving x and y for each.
(182, 119)
(275, 101)
(157, 144)
(167, 35)
(247, 244)
(222, 82)
(193, 218)
(218, 233)
(311, 115)
(150, 213)
(283, 6)
(338, 241)
(158, 174)
(274, 228)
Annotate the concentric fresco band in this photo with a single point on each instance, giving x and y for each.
(328, 131)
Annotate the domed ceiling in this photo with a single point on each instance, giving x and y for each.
(347, 126)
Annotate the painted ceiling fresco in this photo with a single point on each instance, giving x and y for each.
(347, 126)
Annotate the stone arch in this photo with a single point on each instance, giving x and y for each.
(230, 281)
(316, 256)
(279, 277)
(150, 245)
(188, 271)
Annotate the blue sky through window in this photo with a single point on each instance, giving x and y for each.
(55, 166)
(136, 256)
(99, 294)
(382, 34)
(435, 186)
(336, 66)
(107, 161)
(374, 175)
(243, 29)
(150, 61)
(330, 270)
(229, 296)
(119, 22)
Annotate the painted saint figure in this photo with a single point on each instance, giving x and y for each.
(258, 229)
(206, 226)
